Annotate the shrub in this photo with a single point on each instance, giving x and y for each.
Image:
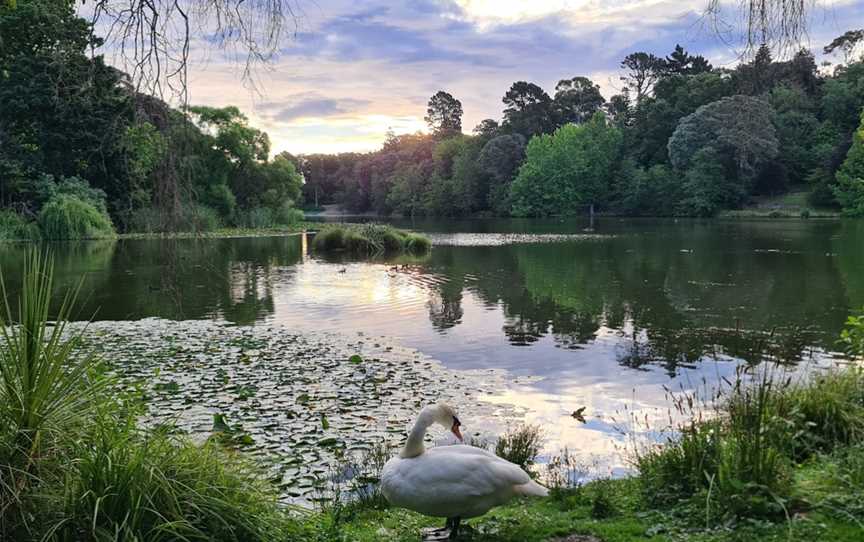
(256, 218)
(287, 215)
(199, 218)
(14, 227)
(521, 446)
(67, 217)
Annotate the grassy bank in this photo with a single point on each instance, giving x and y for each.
(369, 239)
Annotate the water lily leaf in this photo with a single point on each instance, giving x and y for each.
(324, 423)
(303, 398)
(170, 386)
(220, 425)
(355, 359)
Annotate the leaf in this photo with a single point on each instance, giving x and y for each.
(303, 398)
(355, 359)
(220, 425)
(324, 423)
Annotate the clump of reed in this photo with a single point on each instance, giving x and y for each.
(14, 227)
(370, 240)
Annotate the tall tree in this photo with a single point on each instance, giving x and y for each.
(848, 42)
(566, 170)
(643, 70)
(680, 62)
(577, 99)
(528, 109)
(444, 114)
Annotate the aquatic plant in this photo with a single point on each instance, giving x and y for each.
(370, 239)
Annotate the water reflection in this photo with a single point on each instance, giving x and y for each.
(602, 321)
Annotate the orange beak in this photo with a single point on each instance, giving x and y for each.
(456, 431)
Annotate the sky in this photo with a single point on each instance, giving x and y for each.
(355, 69)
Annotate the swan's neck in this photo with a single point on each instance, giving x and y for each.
(414, 445)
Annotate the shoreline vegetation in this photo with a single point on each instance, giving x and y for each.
(767, 459)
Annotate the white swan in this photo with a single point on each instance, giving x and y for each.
(453, 482)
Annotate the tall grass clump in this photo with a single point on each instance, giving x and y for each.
(68, 217)
(128, 484)
(521, 446)
(370, 239)
(48, 388)
(14, 227)
(739, 459)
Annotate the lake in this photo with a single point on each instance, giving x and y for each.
(605, 317)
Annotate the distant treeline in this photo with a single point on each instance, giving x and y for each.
(82, 153)
(683, 138)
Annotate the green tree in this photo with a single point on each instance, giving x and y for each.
(850, 177)
(643, 70)
(576, 100)
(528, 110)
(566, 170)
(739, 128)
(444, 114)
(680, 62)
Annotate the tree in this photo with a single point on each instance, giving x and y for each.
(576, 100)
(528, 109)
(566, 170)
(63, 113)
(643, 70)
(680, 62)
(487, 128)
(850, 177)
(444, 114)
(500, 160)
(847, 42)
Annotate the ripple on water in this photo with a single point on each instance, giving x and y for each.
(279, 388)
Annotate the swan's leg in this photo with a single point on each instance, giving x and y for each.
(453, 523)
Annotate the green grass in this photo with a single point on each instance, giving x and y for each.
(369, 239)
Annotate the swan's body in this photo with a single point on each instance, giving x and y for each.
(454, 482)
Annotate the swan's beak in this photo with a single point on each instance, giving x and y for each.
(456, 431)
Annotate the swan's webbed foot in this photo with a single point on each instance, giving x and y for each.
(449, 532)
(453, 524)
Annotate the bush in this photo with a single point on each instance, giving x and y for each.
(287, 215)
(68, 217)
(521, 446)
(14, 227)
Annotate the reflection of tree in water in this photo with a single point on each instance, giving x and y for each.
(689, 293)
(175, 278)
(444, 313)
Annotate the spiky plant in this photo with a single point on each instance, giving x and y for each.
(47, 387)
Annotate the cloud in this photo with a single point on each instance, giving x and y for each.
(356, 68)
(310, 106)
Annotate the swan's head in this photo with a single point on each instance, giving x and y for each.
(445, 415)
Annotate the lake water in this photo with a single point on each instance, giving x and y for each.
(603, 317)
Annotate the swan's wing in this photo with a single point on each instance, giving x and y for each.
(477, 471)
